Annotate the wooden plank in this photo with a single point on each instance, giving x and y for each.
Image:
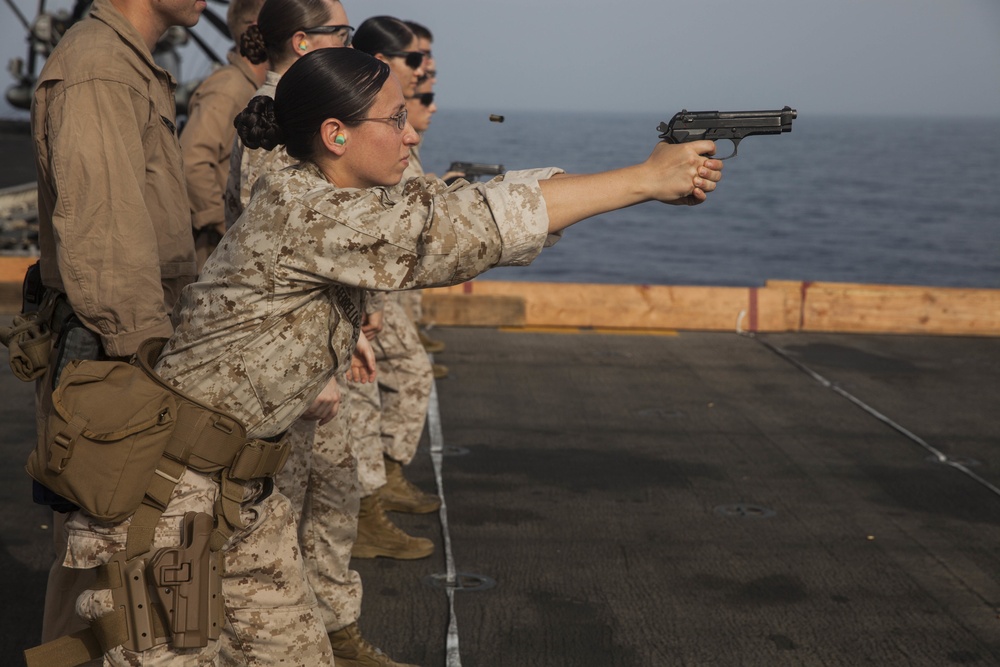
(491, 310)
(856, 308)
(777, 307)
(13, 268)
(615, 306)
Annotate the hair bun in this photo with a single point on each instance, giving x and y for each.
(252, 45)
(257, 125)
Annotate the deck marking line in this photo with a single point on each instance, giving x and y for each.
(452, 656)
(937, 453)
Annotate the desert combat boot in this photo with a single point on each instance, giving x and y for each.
(401, 495)
(350, 649)
(379, 536)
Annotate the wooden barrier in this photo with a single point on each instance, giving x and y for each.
(777, 306)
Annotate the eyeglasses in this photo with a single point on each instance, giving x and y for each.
(399, 119)
(333, 30)
(413, 58)
(426, 99)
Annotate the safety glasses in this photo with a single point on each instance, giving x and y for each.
(348, 31)
(399, 119)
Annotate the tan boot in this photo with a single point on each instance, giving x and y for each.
(378, 536)
(401, 495)
(440, 371)
(432, 345)
(351, 650)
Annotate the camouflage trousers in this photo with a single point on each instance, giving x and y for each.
(271, 612)
(320, 480)
(412, 302)
(387, 418)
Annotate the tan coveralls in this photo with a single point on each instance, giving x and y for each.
(114, 227)
(207, 142)
(272, 318)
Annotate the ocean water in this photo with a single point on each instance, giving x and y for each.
(904, 201)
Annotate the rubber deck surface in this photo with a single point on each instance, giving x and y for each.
(693, 499)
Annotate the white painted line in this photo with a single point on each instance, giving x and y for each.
(452, 657)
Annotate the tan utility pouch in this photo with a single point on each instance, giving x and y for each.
(29, 341)
(104, 437)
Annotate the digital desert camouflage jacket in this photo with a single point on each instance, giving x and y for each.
(263, 329)
(246, 165)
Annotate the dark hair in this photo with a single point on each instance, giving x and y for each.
(277, 21)
(382, 34)
(420, 31)
(325, 83)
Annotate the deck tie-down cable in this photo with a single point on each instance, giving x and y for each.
(939, 456)
(452, 657)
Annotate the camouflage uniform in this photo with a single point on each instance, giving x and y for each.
(267, 324)
(405, 385)
(364, 410)
(321, 477)
(388, 418)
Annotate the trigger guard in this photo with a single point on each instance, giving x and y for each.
(736, 146)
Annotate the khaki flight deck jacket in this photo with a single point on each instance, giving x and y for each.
(207, 139)
(114, 222)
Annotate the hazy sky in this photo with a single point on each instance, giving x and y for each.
(912, 57)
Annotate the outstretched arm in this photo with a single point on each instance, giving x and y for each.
(673, 173)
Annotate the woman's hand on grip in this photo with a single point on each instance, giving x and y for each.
(682, 174)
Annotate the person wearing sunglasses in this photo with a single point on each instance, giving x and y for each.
(425, 40)
(322, 471)
(390, 422)
(391, 41)
(414, 301)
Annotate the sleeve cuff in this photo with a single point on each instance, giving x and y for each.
(126, 344)
(523, 220)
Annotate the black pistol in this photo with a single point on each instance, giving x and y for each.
(733, 125)
(473, 170)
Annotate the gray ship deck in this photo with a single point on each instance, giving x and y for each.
(689, 499)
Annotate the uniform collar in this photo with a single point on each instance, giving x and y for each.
(241, 64)
(106, 13)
